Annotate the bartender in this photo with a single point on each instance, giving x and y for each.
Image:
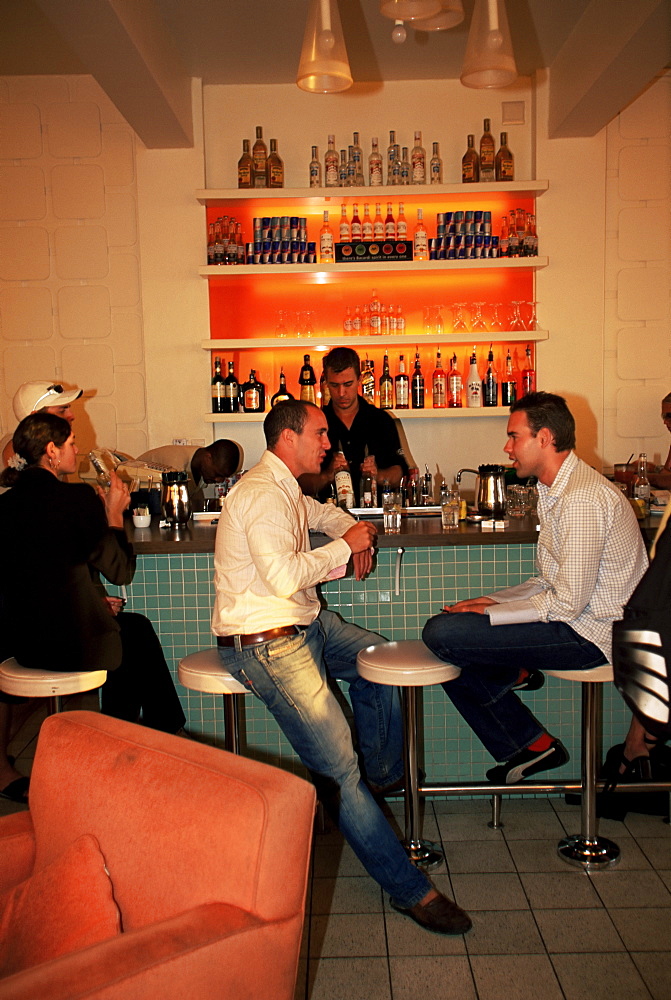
(212, 463)
(363, 438)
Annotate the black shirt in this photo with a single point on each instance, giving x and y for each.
(372, 427)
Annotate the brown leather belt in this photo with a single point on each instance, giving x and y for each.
(258, 637)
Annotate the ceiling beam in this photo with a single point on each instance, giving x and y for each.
(614, 50)
(126, 48)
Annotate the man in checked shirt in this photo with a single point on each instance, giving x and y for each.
(589, 558)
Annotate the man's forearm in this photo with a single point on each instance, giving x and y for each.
(392, 474)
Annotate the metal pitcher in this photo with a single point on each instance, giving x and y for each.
(175, 501)
(490, 490)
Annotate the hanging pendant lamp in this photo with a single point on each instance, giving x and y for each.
(489, 60)
(409, 10)
(324, 66)
(450, 15)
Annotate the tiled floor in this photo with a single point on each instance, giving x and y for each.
(541, 929)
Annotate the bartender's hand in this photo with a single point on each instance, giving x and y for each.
(475, 605)
(362, 563)
(338, 462)
(361, 536)
(116, 500)
(369, 466)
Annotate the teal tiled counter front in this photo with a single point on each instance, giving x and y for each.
(176, 592)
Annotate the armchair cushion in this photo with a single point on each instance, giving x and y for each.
(64, 907)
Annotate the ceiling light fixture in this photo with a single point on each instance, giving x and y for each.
(489, 60)
(398, 33)
(409, 10)
(451, 14)
(324, 66)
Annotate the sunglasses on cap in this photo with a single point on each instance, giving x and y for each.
(53, 389)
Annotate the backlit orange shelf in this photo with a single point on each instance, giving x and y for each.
(427, 413)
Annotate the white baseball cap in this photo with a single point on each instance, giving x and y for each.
(33, 396)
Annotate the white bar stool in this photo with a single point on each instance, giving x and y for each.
(409, 664)
(204, 671)
(585, 849)
(27, 682)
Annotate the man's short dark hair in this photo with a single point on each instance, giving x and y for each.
(291, 415)
(341, 358)
(545, 409)
(225, 456)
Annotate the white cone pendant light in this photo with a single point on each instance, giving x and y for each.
(324, 66)
(489, 60)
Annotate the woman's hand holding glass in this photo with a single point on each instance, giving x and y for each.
(116, 500)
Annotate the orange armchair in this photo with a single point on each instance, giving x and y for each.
(151, 866)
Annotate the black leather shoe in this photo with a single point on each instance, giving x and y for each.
(441, 915)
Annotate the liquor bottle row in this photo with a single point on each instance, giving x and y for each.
(405, 390)
(258, 168)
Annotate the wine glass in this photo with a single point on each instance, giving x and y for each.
(532, 320)
(280, 327)
(495, 322)
(477, 319)
(516, 319)
(458, 321)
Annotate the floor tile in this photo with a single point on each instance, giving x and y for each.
(478, 856)
(599, 977)
(532, 825)
(621, 888)
(349, 979)
(536, 856)
(333, 859)
(341, 934)
(644, 928)
(657, 850)
(655, 970)
(584, 931)
(570, 889)
(479, 805)
(665, 877)
(347, 894)
(466, 826)
(511, 933)
(438, 977)
(405, 937)
(489, 892)
(515, 977)
(647, 826)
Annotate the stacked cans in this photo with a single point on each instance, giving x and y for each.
(463, 236)
(281, 240)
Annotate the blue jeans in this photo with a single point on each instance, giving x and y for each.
(491, 657)
(290, 675)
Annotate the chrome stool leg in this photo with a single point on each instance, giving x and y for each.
(426, 854)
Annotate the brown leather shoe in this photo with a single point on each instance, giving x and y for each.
(441, 915)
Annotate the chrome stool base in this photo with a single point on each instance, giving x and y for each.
(425, 854)
(592, 855)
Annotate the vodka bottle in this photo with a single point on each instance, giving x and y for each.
(345, 231)
(347, 321)
(357, 157)
(420, 250)
(473, 383)
(401, 386)
(508, 383)
(245, 167)
(405, 167)
(356, 320)
(401, 223)
(470, 163)
(393, 155)
(417, 385)
(342, 169)
(326, 242)
(375, 165)
(331, 164)
(366, 225)
(217, 388)
(356, 223)
(389, 224)
(282, 394)
(641, 484)
(386, 386)
(418, 161)
(439, 384)
(374, 314)
(490, 383)
(315, 170)
(528, 374)
(436, 166)
(231, 391)
(274, 167)
(259, 156)
(454, 384)
(351, 167)
(505, 162)
(487, 154)
(378, 223)
(307, 381)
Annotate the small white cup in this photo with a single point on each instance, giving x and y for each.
(141, 520)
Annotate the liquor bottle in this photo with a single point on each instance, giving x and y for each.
(274, 167)
(347, 321)
(368, 382)
(239, 243)
(470, 163)
(389, 224)
(356, 320)
(530, 245)
(513, 237)
(282, 394)
(356, 223)
(401, 223)
(326, 242)
(307, 381)
(231, 391)
(378, 223)
(454, 384)
(343, 484)
(217, 388)
(418, 161)
(490, 383)
(218, 245)
(417, 385)
(315, 170)
(487, 154)
(375, 178)
(324, 392)
(439, 384)
(374, 314)
(508, 383)
(641, 485)
(504, 238)
(400, 320)
(505, 161)
(259, 156)
(210, 243)
(357, 157)
(528, 374)
(386, 386)
(405, 167)
(342, 169)
(345, 230)
(473, 383)
(331, 164)
(420, 248)
(253, 394)
(401, 386)
(351, 168)
(367, 491)
(393, 155)
(366, 225)
(245, 167)
(436, 166)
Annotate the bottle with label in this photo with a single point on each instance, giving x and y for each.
(315, 170)
(393, 154)
(342, 169)
(401, 223)
(324, 391)
(436, 166)
(217, 388)
(400, 320)
(375, 178)
(405, 168)
(347, 321)
(386, 386)
(245, 167)
(417, 385)
(470, 163)
(331, 164)
(274, 167)
(210, 243)
(641, 485)
(528, 374)
(505, 162)
(357, 322)
(326, 242)
(366, 225)
(530, 245)
(282, 394)
(490, 383)
(473, 383)
(259, 156)
(487, 154)
(426, 494)
(356, 223)
(418, 161)
(420, 249)
(253, 394)
(368, 382)
(345, 230)
(231, 391)
(389, 224)
(401, 386)
(343, 485)
(351, 168)
(508, 383)
(504, 238)
(374, 314)
(378, 223)
(439, 384)
(454, 384)
(307, 381)
(357, 157)
(218, 245)
(367, 490)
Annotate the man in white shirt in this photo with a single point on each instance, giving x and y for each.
(590, 556)
(274, 637)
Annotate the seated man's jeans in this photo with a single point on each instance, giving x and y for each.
(491, 657)
(290, 675)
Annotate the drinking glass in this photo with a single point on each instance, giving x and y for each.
(280, 328)
(458, 321)
(532, 321)
(495, 322)
(518, 501)
(391, 513)
(449, 509)
(516, 319)
(477, 319)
